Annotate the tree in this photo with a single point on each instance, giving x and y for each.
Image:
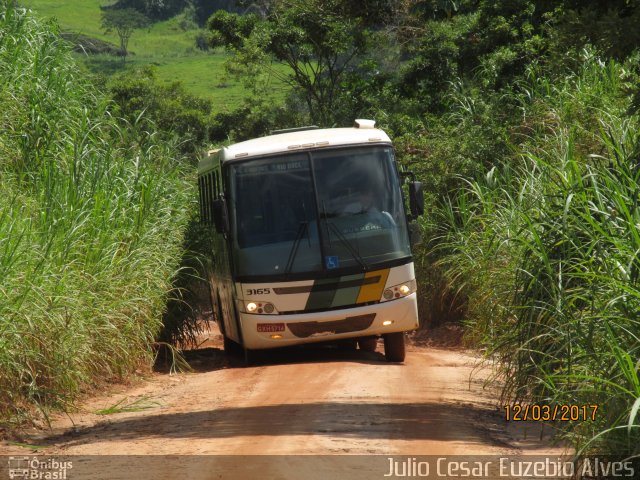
(318, 40)
(124, 22)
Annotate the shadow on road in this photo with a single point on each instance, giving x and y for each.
(212, 358)
(391, 421)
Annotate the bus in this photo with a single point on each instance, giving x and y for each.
(310, 239)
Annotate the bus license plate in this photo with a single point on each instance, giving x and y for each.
(271, 327)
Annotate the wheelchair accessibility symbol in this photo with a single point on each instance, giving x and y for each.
(331, 261)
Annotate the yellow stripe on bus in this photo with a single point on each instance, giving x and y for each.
(373, 292)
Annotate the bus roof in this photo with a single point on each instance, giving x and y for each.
(294, 141)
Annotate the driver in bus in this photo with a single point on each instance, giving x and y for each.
(365, 203)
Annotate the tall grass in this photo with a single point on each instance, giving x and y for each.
(92, 214)
(546, 246)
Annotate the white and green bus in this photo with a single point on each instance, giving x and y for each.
(310, 240)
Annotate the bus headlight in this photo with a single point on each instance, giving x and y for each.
(257, 307)
(398, 291)
(251, 307)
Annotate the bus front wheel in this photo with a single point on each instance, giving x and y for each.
(229, 346)
(394, 350)
(368, 344)
(232, 348)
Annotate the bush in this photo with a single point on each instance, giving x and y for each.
(143, 99)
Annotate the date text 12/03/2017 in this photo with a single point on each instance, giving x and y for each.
(545, 413)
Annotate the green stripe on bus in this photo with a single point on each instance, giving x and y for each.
(349, 294)
(322, 293)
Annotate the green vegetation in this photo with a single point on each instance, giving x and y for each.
(84, 15)
(92, 217)
(316, 39)
(151, 104)
(33, 448)
(124, 405)
(545, 247)
(519, 116)
(169, 44)
(530, 149)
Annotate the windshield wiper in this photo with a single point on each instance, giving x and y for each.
(347, 244)
(294, 248)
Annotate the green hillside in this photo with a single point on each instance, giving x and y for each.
(169, 45)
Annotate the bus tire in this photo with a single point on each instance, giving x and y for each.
(230, 347)
(249, 357)
(368, 344)
(394, 350)
(348, 344)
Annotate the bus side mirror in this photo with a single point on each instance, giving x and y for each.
(416, 198)
(220, 217)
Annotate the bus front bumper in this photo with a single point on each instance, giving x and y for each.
(272, 331)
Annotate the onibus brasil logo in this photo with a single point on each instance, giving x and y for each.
(38, 468)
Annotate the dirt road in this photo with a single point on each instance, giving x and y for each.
(320, 401)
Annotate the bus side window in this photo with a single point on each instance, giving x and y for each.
(207, 199)
(210, 197)
(216, 189)
(201, 198)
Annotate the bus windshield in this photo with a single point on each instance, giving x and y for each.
(315, 211)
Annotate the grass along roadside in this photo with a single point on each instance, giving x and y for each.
(92, 216)
(545, 248)
(125, 405)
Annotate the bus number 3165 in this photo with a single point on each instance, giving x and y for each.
(258, 291)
